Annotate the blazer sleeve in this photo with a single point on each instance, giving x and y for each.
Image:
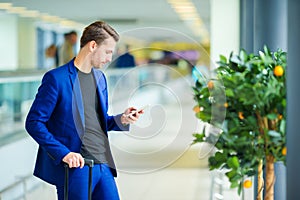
(39, 114)
(115, 124)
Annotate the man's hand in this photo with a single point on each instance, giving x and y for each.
(74, 160)
(131, 115)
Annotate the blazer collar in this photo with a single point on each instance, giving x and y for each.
(72, 68)
(77, 102)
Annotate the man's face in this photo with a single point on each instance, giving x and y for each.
(103, 53)
(73, 39)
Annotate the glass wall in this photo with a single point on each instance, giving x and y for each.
(16, 96)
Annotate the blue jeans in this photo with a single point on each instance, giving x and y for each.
(103, 186)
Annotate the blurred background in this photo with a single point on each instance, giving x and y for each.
(162, 43)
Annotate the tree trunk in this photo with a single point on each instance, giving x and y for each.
(260, 181)
(270, 178)
(262, 123)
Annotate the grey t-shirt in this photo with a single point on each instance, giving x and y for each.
(94, 140)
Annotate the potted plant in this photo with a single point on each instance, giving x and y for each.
(247, 102)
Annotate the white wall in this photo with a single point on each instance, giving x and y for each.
(27, 45)
(8, 42)
(18, 42)
(225, 28)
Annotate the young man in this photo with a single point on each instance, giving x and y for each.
(69, 120)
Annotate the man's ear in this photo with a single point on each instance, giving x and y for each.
(92, 45)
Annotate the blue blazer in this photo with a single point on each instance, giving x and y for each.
(56, 120)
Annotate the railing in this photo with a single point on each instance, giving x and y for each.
(16, 94)
(21, 188)
(17, 91)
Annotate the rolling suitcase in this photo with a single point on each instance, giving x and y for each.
(88, 162)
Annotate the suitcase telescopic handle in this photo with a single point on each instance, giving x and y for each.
(90, 164)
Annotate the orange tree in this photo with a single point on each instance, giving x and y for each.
(247, 102)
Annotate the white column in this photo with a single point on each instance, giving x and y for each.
(18, 42)
(225, 29)
(8, 42)
(27, 44)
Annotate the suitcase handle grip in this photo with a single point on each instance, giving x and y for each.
(89, 162)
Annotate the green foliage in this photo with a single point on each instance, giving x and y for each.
(248, 102)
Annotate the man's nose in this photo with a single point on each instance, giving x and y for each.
(108, 59)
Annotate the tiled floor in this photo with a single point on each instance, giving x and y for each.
(183, 180)
(160, 164)
(166, 184)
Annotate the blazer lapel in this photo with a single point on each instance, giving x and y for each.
(77, 102)
(102, 99)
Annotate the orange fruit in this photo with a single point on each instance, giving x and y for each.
(241, 116)
(247, 183)
(280, 117)
(226, 105)
(196, 109)
(278, 70)
(284, 151)
(210, 85)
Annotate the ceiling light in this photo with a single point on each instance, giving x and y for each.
(5, 6)
(30, 13)
(50, 18)
(188, 13)
(67, 23)
(175, 4)
(178, 1)
(16, 10)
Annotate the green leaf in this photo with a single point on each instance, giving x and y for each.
(223, 59)
(251, 173)
(266, 50)
(266, 58)
(262, 55)
(198, 137)
(233, 162)
(213, 163)
(284, 102)
(200, 83)
(220, 157)
(198, 115)
(272, 116)
(274, 133)
(234, 184)
(240, 188)
(282, 126)
(235, 59)
(243, 55)
(237, 177)
(229, 93)
(231, 173)
(196, 91)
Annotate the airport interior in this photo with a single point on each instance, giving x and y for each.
(173, 44)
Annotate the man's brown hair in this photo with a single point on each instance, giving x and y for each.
(98, 31)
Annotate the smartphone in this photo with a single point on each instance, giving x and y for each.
(133, 113)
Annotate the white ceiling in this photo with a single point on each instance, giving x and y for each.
(143, 19)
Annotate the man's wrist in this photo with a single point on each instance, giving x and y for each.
(123, 120)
